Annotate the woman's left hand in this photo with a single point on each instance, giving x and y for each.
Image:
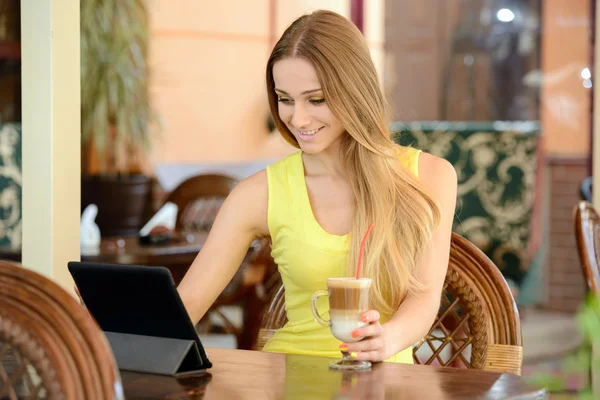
(376, 345)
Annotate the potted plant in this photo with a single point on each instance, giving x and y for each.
(116, 113)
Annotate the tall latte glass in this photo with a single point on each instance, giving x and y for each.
(348, 300)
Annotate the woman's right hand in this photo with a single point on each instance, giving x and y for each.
(79, 295)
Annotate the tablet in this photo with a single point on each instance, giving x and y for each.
(135, 300)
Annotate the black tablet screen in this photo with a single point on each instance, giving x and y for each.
(134, 299)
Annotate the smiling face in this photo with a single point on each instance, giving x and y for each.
(302, 107)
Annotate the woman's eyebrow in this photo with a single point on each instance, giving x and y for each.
(305, 92)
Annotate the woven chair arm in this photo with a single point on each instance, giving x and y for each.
(504, 358)
(263, 336)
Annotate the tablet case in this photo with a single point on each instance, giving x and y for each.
(155, 355)
(142, 316)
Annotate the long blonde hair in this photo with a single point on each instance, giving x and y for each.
(387, 194)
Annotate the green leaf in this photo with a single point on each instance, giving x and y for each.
(550, 382)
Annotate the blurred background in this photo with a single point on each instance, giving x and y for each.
(176, 90)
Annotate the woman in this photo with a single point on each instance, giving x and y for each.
(316, 204)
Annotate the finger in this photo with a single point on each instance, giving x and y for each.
(374, 356)
(371, 330)
(370, 316)
(79, 296)
(366, 345)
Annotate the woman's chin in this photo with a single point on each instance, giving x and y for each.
(311, 147)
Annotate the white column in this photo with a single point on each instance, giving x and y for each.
(50, 50)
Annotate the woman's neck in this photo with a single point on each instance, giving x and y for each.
(328, 162)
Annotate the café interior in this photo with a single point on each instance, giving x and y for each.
(125, 124)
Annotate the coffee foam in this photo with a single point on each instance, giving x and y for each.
(348, 283)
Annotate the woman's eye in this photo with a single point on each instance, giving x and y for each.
(317, 101)
(284, 100)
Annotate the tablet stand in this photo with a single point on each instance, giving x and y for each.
(155, 355)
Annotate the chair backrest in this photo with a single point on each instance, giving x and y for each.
(50, 347)
(199, 199)
(587, 235)
(477, 325)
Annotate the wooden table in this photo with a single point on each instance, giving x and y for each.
(176, 255)
(240, 374)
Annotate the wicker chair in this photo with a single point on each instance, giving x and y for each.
(50, 347)
(199, 198)
(587, 234)
(478, 321)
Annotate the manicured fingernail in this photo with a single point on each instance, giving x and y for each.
(354, 334)
(343, 346)
(353, 355)
(364, 318)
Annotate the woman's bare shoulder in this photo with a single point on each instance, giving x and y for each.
(249, 200)
(438, 175)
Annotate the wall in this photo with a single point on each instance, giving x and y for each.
(416, 45)
(564, 279)
(208, 61)
(565, 102)
(565, 115)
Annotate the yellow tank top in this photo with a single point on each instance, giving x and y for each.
(306, 256)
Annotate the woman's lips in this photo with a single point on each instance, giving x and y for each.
(308, 138)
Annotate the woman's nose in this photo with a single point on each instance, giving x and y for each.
(300, 118)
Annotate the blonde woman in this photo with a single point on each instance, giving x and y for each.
(316, 204)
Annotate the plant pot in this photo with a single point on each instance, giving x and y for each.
(124, 202)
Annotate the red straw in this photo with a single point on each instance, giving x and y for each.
(362, 249)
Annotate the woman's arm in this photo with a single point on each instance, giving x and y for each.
(415, 316)
(241, 219)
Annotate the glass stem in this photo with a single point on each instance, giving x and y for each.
(346, 355)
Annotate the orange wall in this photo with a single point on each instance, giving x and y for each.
(207, 64)
(565, 103)
(208, 61)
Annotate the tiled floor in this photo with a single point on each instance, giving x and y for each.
(549, 339)
(548, 335)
